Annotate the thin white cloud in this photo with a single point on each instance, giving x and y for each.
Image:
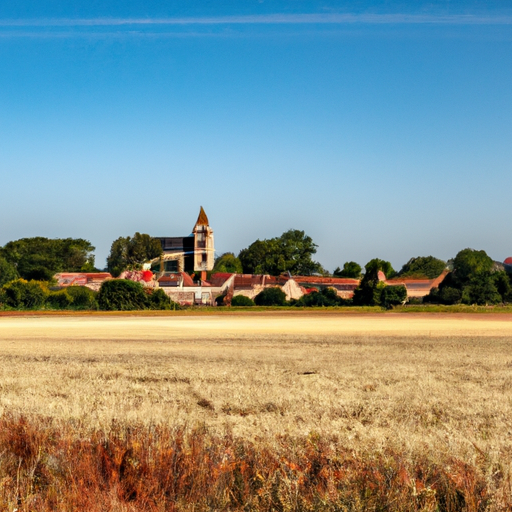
(297, 19)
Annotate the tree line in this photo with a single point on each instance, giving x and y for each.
(28, 265)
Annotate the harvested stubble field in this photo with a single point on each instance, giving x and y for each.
(261, 411)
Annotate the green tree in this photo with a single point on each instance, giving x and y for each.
(393, 296)
(229, 263)
(7, 272)
(447, 295)
(423, 267)
(351, 269)
(368, 293)
(129, 253)
(481, 289)
(291, 252)
(271, 297)
(41, 258)
(503, 284)
(253, 257)
(468, 263)
(473, 280)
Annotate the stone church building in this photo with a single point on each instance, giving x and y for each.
(192, 253)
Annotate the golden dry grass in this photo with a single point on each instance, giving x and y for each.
(362, 378)
(417, 384)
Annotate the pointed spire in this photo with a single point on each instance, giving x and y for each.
(202, 220)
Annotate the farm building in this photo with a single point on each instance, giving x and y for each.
(417, 288)
(92, 280)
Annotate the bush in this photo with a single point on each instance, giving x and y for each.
(271, 297)
(220, 300)
(241, 300)
(447, 295)
(324, 298)
(21, 294)
(481, 290)
(59, 300)
(8, 272)
(121, 295)
(83, 297)
(158, 299)
(393, 296)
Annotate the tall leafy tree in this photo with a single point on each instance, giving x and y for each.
(40, 258)
(369, 291)
(473, 280)
(351, 269)
(228, 262)
(7, 272)
(423, 267)
(291, 252)
(470, 262)
(128, 253)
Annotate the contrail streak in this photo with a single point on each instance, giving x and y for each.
(297, 19)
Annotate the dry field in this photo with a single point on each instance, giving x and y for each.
(418, 389)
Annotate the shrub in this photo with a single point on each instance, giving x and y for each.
(241, 300)
(83, 297)
(326, 297)
(393, 296)
(21, 294)
(158, 299)
(7, 272)
(447, 295)
(220, 300)
(271, 297)
(481, 290)
(59, 300)
(121, 295)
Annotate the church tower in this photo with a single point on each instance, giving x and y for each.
(204, 251)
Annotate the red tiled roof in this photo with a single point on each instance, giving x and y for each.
(172, 278)
(187, 280)
(325, 280)
(219, 278)
(411, 281)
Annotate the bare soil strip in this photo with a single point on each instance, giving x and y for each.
(148, 328)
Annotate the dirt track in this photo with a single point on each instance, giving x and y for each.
(152, 328)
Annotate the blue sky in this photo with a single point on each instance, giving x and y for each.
(382, 129)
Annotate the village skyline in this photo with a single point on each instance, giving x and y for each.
(381, 129)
